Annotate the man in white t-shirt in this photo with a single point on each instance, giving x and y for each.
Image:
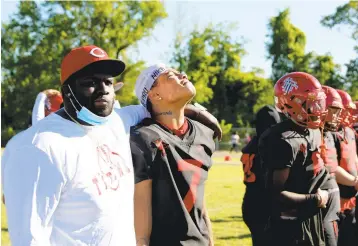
(68, 180)
(235, 138)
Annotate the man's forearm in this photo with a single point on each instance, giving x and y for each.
(208, 223)
(294, 200)
(345, 178)
(143, 212)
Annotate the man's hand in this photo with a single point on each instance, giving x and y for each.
(322, 198)
(204, 117)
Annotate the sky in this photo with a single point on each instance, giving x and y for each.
(251, 18)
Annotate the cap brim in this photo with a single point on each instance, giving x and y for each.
(108, 67)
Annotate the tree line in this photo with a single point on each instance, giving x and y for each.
(39, 34)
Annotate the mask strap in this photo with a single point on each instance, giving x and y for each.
(69, 87)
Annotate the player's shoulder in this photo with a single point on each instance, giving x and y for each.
(282, 135)
(283, 130)
(144, 132)
(338, 136)
(48, 133)
(201, 131)
(251, 147)
(350, 133)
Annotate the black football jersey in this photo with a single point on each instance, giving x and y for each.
(330, 160)
(251, 164)
(178, 168)
(345, 143)
(287, 145)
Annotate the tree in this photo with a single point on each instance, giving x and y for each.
(347, 15)
(326, 71)
(39, 35)
(286, 49)
(212, 59)
(286, 46)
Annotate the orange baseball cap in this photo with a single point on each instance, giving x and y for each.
(89, 59)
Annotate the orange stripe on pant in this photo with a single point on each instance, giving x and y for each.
(348, 204)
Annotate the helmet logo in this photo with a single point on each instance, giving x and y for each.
(288, 85)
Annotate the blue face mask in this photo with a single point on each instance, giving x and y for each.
(87, 116)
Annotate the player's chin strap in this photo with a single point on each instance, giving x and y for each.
(323, 147)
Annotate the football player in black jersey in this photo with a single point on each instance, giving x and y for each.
(355, 127)
(330, 157)
(254, 214)
(291, 152)
(347, 156)
(171, 157)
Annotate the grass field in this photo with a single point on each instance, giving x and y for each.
(224, 192)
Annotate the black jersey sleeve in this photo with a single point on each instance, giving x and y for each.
(141, 163)
(276, 153)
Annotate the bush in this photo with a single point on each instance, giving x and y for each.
(6, 135)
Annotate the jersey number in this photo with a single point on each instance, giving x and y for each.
(247, 162)
(195, 167)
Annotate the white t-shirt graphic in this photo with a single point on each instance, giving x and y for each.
(74, 184)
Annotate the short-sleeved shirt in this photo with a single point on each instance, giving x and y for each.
(286, 145)
(251, 163)
(345, 143)
(330, 159)
(67, 184)
(178, 168)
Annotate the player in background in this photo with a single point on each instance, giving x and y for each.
(171, 157)
(235, 141)
(47, 102)
(291, 152)
(255, 215)
(347, 156)
(338, 174)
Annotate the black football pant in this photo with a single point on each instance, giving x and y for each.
(347, 234)
(330, 232)
(255, 217)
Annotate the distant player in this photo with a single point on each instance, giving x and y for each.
(254, 214)
(329, 154)
(235, 138)
(291, 152)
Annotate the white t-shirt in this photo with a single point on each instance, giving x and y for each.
(235, 139)
(116, 104)
(66, 184)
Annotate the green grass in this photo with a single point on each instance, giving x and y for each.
(5, 238)
(224, 192)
